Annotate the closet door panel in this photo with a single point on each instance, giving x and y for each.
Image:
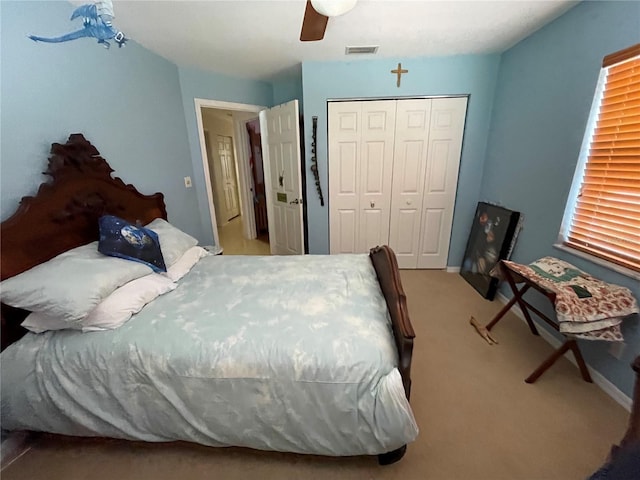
(376, 164)
(344, 176)
(441, 178)
(346, 221)
(347, 169)
(373, 159)
(406, 221)
(372, 227)
(438, 173)
(374, 223)
(432, 219)
(410, 156)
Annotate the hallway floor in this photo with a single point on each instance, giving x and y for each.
(233, 242)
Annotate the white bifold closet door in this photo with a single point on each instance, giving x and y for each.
(419, 184)
(425, 176)
(361, 151)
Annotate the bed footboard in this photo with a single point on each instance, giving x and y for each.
(624, 459)
(632, 435)
(386, 266)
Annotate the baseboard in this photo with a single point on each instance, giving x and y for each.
(13, 447)
(599, 379)
(453, 269)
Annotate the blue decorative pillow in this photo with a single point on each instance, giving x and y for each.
(119, 238)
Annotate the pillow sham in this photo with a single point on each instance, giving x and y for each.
(173, 241)
(113, 312)
(70, 285)
(122, 239)
(179, 269)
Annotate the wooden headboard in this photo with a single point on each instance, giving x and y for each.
(64, 214)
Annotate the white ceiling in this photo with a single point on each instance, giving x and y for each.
(259, 39)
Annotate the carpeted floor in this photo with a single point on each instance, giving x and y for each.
(478, 418)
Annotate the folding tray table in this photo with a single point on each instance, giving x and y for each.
(513, 278)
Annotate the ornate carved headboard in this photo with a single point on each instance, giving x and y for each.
(64, 214)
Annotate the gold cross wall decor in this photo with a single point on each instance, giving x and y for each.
(399, 71)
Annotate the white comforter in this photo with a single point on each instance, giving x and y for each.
(276, 353)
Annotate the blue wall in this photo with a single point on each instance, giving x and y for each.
(474, 75)
(287, 87)
(126, 101)
(545, 90)
(211, 86)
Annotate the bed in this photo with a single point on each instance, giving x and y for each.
(624, 459)
(307, 354)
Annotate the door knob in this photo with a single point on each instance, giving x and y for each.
(373, 204)
(408, 202)
(295, 202)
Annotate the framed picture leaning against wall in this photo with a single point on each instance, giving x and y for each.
(493, 234)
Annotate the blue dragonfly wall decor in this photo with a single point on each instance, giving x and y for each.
(97, 18)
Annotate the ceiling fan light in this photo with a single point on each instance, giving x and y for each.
(333, 8)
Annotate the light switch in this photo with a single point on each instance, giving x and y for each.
(187, 182)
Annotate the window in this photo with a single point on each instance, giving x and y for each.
(602, 217)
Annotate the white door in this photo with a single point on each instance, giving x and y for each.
(360, 163)
(282, 161)
(409, 166)
(441, 180)
(393, 171)
(214, 175)
(229, 180)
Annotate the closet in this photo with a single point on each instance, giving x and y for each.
(393, 173)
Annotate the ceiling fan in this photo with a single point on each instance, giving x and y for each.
(316, 15)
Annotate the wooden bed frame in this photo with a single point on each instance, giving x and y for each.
(632, 435)
(64, 214)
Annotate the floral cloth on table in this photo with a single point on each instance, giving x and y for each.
(585, 306)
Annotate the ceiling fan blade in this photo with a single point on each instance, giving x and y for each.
(313, 25)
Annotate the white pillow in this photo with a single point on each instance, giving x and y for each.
(173, 241)
(70, 285)
(180, 268)
(113, 311)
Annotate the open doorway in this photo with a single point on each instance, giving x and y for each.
(232, 163)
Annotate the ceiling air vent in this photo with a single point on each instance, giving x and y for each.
(361, 50)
